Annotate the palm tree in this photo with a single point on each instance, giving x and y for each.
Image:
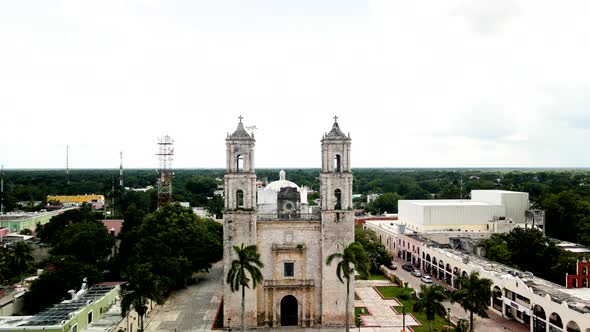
(142, 286)
(430, 301)
(473, 295)
(353, 257)
(20, 258)
(3, 265)
(248, 263)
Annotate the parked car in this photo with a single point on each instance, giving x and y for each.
(393, 266)
(408, 267)
(426, 279)
(416, 273)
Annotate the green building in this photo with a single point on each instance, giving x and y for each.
(68, 316)
(17, 222)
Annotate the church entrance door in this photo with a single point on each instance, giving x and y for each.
(289, 312)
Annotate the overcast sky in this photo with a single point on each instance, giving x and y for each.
(463, 83)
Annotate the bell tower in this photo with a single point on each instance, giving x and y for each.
(337, 216)
(239, 217)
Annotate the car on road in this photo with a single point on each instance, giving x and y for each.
(408, 267)
(393, 266)
(416, 273)
(426, 279)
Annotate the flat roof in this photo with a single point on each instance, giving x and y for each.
(448, 202)
(579, 301)
(498, 191)
(58, 314)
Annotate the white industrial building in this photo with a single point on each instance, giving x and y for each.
(487, 210)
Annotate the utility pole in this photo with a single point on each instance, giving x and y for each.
(113, 195)
(121, 170)
(2, 191)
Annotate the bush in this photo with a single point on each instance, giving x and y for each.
(462, 325)
(404, 296)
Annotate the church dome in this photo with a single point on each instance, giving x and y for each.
(281, 183)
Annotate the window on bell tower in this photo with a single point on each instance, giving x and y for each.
(337, 167)
(239, 163)
(338, 196)
(239, 199)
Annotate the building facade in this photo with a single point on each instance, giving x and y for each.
(537, 303)
(16, 222)
(582, 276)
(299, 289)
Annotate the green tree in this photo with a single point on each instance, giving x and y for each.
(142, 286)
(63, 273)
(352, 258)
(50, 231)
(4, 271)
(20, 258)
(376, 252)
(243, 270)
(384, 203)
(26, 231)
(473, 295)
(89, 242)
(215, 206)
(430, 301)
(497, 249)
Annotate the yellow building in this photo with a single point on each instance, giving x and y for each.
(77, 199)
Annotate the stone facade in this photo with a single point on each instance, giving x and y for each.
(298, 288)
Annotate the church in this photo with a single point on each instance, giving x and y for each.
(293, 238)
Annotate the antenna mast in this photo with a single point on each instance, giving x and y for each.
(121, 170)
(2, 191)
(165, 155)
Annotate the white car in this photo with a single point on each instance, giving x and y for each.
(416, 273)
(426, 279)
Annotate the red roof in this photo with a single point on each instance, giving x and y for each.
(113, 225)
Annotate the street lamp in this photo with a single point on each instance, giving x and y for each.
(358, 324)
(449, 317)
(403, 318)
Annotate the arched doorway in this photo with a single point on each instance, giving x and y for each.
(289, 312)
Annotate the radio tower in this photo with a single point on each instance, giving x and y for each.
(165, 155)
(2, 191)
(121, 170)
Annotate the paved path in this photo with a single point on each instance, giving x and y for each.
(193, 308)
(380, 312)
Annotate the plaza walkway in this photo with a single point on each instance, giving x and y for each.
(381, 313)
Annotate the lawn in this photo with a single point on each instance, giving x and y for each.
(378, 276)
(404, 297)
(359, 311)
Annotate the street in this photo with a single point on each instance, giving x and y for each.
(494, 323)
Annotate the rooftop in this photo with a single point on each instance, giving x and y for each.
(18, 216)
(498, 191)
(576, 300)
(448, 202)
(59, 314)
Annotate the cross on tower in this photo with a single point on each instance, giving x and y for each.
(240, 117)
(335, 118)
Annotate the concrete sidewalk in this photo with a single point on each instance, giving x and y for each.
(193, 308)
